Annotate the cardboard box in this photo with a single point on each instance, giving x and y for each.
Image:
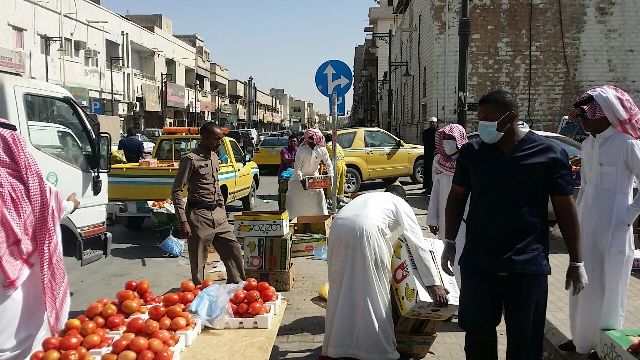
(305, 244)
(267, 253)
(320, 225)
(614, 344)
(318, 182)
(282, 280)
(407, 289)
(414, 346)
(261, 223)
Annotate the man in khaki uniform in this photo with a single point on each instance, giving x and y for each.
(204, 220)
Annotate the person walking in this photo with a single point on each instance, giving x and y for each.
(606, 210)
(132, 147)
(204, 219)
(429, 142)
(287, 160)
(449, 140)
(359, 321)
(300, 200)
(341, 168)
(34, 298)
(508, 176)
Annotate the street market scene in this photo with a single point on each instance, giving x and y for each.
(401, 179)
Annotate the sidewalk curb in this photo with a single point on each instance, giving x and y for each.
(554, 337)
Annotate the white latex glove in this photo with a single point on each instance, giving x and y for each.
(576, 278)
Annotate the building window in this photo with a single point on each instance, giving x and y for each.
(297, 110)
(68, 47)
(17, 37)
(42, 44)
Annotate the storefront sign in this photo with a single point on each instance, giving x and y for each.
(12, 61)
(151, 98)
(226, 108)
(206, 106)
(174, 95)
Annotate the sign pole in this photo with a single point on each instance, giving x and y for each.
(334, 141)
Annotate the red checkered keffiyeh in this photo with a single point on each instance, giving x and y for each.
(610, 102)
(447, 163)
(29, 217)
(316, 135)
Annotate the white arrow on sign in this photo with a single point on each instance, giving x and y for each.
(343, 81)
(340, 101)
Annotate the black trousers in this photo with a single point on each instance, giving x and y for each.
(483, 297)
(427, 170)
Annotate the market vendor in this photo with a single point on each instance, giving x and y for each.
(287, 160)
(359, 321)
(34, 298)
(204, 220)
(303, 201)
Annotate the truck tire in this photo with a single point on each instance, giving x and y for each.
(249, 201)
(353, 180)
(418, 172)
(134, 223)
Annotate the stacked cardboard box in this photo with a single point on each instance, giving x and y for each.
(309, 233)
(267, 243)
(614, 344)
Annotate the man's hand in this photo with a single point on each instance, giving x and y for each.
(434, 229)
(448, 257)
(74, 200)
(440, 298)
(185, 230)
(304, 184)
(576, 278)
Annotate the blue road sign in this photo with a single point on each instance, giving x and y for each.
(334, 76)
(342, 107)
(96, 106)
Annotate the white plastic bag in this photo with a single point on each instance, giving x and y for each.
(213, 302)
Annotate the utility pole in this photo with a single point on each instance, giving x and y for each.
(111, 60)
(47, 45)
(250, 102)
(464, 33)
(389, 91)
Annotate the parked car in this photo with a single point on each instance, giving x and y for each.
(253, 134)
(267, 154)
(152, 134)
(243, 138)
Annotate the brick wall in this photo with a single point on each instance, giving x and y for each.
(600, 40)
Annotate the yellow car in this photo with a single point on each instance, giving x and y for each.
(372, 154)
(267, 153)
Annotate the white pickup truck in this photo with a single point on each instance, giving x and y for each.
(72, 154)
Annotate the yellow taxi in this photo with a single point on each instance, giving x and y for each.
(267, 153)
(372, 154)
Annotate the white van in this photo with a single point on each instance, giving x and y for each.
(72, 154)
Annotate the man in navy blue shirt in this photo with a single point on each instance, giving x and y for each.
(132, 147)
(509, 175)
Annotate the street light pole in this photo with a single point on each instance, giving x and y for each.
(464, 33)
(47, 44)
(111, 60)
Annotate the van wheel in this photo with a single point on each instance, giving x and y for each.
(418, 172)
(352, 181)
(249, 201)
(134, 223)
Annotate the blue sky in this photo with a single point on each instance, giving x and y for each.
(278, 42)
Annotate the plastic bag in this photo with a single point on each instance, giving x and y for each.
(213, 302)
(172, 245)
(320, 252)
(286, 174)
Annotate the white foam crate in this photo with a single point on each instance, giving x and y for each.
(276, 303)
(258, 322)
(190, 335)
(178, 348)
(97, 353)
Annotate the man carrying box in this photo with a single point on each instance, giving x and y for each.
(359, 321)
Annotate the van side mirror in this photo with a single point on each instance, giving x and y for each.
(104, 152)
(248, 157)
(399, 143)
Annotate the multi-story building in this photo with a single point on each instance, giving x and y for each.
(237, 117)
(283, 100)
(298, 114)
(219, 91)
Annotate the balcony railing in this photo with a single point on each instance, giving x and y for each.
(144, 76)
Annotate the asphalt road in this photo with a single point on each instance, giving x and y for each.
(135, 255)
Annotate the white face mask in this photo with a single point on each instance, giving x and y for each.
(450, 146)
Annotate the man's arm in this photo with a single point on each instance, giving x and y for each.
(433, 212)
(567, 218)
(120, 144)
(182, 177)
(454, 211)
(632, 160)
(327, 160)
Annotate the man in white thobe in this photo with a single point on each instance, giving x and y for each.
(606, 210)
(359, 321)
(300, 200)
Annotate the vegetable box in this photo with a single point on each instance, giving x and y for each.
(261, 223)
(614, 344)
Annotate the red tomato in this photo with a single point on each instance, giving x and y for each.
(173, 312)
(262, 286)
(148, 297)
(101, 332)
(115, 321)
(82, 352)
(124, 295)
(253, 296)
(151, 326)
(127, 355)
(162, 335)
(155, 345)
(52, 342)
(206, 283)
(119, 346)
(268, 295)
(108, 311)
(196, 292)
(88, 327)
(82, 318)
(187, 285)
(69, 343)
(109, 357)
(234, 308)
(93, 310)
(272, 288)
(139, 344)
(135, 325)
(105, 342)
(72, 324)
(238, 297)
(70, 355)
(131, 285)
(266, 308)
(91, 342)
(178, 323)
(99, 320)
(242, 308)
(187, 316)
(130, 306)
(38, 355)
(251, 284)
(52, 354)
(128, 336)
(170, 299)
(187, 298)
(165, 323)
(146, 355)
(143, 287)
(256, 308)
(164, 354)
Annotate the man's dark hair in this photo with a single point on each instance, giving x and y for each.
(131, 131)
(328, 138)
(209, 128)
(291, 137)
(502, 100)
(398, 190)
